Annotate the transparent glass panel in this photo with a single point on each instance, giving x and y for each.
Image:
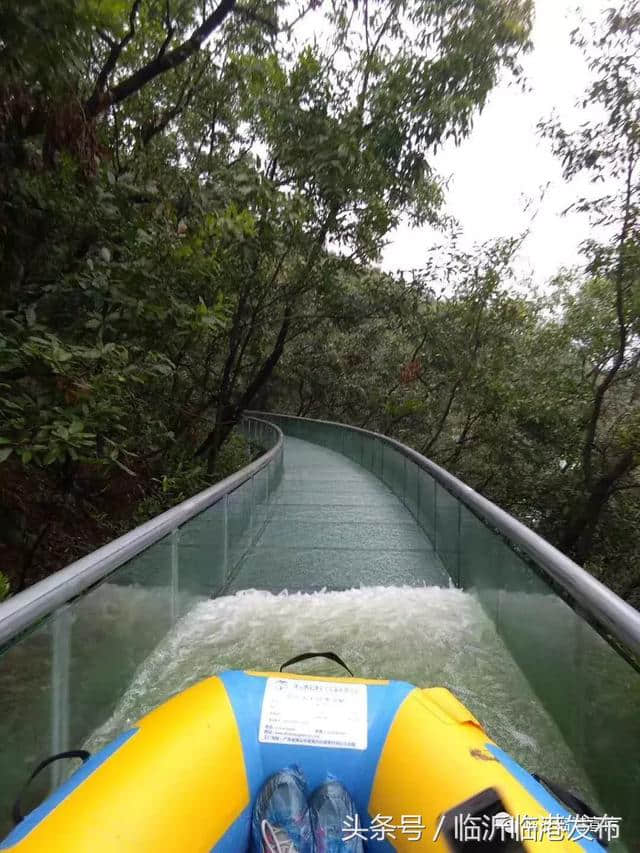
(411, 487)
(61, 681)
(261, 497)
(391, 468)
(275, 474)
(335, 439)
(386, 454)
(345, 444)
(320, 434)
(369, 453)
(374, 450)
(591, 692)
(610, 722)
(539, 630)
(480, 561)
(202, 563)
(26, 702)
(394, 463)
(353, 446)
(239, 523)
(401, 473)
(447, 532)
(114, 628)
(427, 505)
(363, 441)
(316, 433)
(376, 458)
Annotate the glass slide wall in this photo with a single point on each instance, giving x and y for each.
(63, 678)
(590, 690)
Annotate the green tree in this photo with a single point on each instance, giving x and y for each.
(605, 315)
(169, 187)
(347, 129)
(490, 384)
(4, 586)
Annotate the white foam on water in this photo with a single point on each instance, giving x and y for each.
(429, 636)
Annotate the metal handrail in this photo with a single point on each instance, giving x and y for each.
(25, 608)
(597, 602)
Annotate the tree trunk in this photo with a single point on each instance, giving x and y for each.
(229, 414)
(578, 535)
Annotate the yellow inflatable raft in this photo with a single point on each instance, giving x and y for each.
(417, 763)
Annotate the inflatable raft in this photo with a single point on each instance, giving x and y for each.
(418, 765)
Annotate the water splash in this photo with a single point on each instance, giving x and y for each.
(428, 636)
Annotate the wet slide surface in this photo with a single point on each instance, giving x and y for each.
(340, 564)
(336, 563)
(334, 525)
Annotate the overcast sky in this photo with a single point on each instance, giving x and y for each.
(504, 162)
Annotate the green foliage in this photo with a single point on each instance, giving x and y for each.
(169, 181)
(184, 477)
(84, 338)
(4, 586)
(42, 42)
(163, 251)
(184, 480)
(234, 454)
(604, 316)
(491, 385)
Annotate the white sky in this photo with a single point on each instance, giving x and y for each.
(504, 161)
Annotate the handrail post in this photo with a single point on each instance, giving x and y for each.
(435, 516)
(404, 480)
(60, 686)
(252, 508)
(458, 544)
(175, 574)
(225, 539)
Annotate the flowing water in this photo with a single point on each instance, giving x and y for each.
(425, 635)
(331, 525)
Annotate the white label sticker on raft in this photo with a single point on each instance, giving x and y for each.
(314, 713)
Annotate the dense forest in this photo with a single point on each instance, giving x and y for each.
(193, 201)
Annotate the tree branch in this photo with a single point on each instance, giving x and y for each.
(112, 60)
(601, 391)
(168, 25)
(184, 99)
(256, 17)
(102, 98)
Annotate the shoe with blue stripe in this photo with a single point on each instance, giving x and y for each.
(333, 818)
(281, 821)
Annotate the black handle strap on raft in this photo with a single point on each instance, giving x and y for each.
(308, 655)
(82, 754)
(574, 802)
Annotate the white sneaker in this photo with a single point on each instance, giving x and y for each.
(275, 839)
